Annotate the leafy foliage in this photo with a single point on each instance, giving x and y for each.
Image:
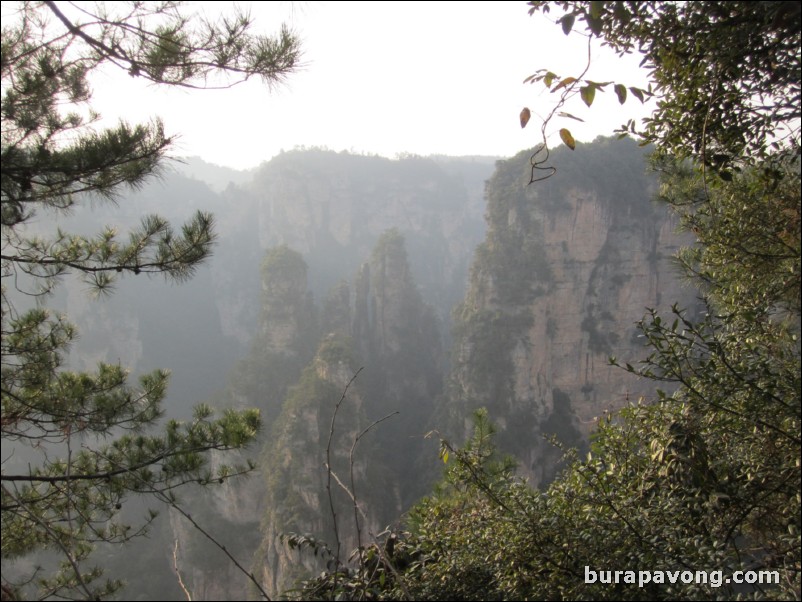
(85, 436)
(726, 77)
(656, 494)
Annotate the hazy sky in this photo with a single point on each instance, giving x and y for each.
(386, 78)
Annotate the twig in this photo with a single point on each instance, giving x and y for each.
(178, 572)
(171, 502)
(69, 497)
(351, 494)
(329, 473)
(353, 483)
(379, 547)
(57, 540)
(543, 147)
(166, 499)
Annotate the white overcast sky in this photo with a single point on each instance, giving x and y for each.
(386, 78)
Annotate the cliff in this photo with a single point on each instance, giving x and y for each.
(330, 207)
(568, 266)
(381, 325)
(333, 208)
(301, 498)
(366, 257)
(301, 360)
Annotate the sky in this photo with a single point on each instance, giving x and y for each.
(386, 78)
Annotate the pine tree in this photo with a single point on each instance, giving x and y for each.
(91, 433)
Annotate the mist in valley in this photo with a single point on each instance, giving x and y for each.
(343, 375)
(438, 284)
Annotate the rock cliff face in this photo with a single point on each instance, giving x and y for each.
(568, 266)
(284, 342)
(330, 207)
(397, 336)
(301, 360)
(382, 325)
(333, 207)
(367, 257)
(300, 496)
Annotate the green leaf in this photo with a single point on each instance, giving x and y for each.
(588, 93)
(596, 9)
(549, 78)
(567, 138)
(566, 82)
(637, 93)
(569, 116)
(621, 92)
(535, 77)
(621, 13)
(567, 23)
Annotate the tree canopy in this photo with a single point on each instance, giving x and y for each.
(725, 76)
(86, 437)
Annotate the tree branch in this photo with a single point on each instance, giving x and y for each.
(329, 473)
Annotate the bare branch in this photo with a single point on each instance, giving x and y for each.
(178, 572)
(329, 470)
